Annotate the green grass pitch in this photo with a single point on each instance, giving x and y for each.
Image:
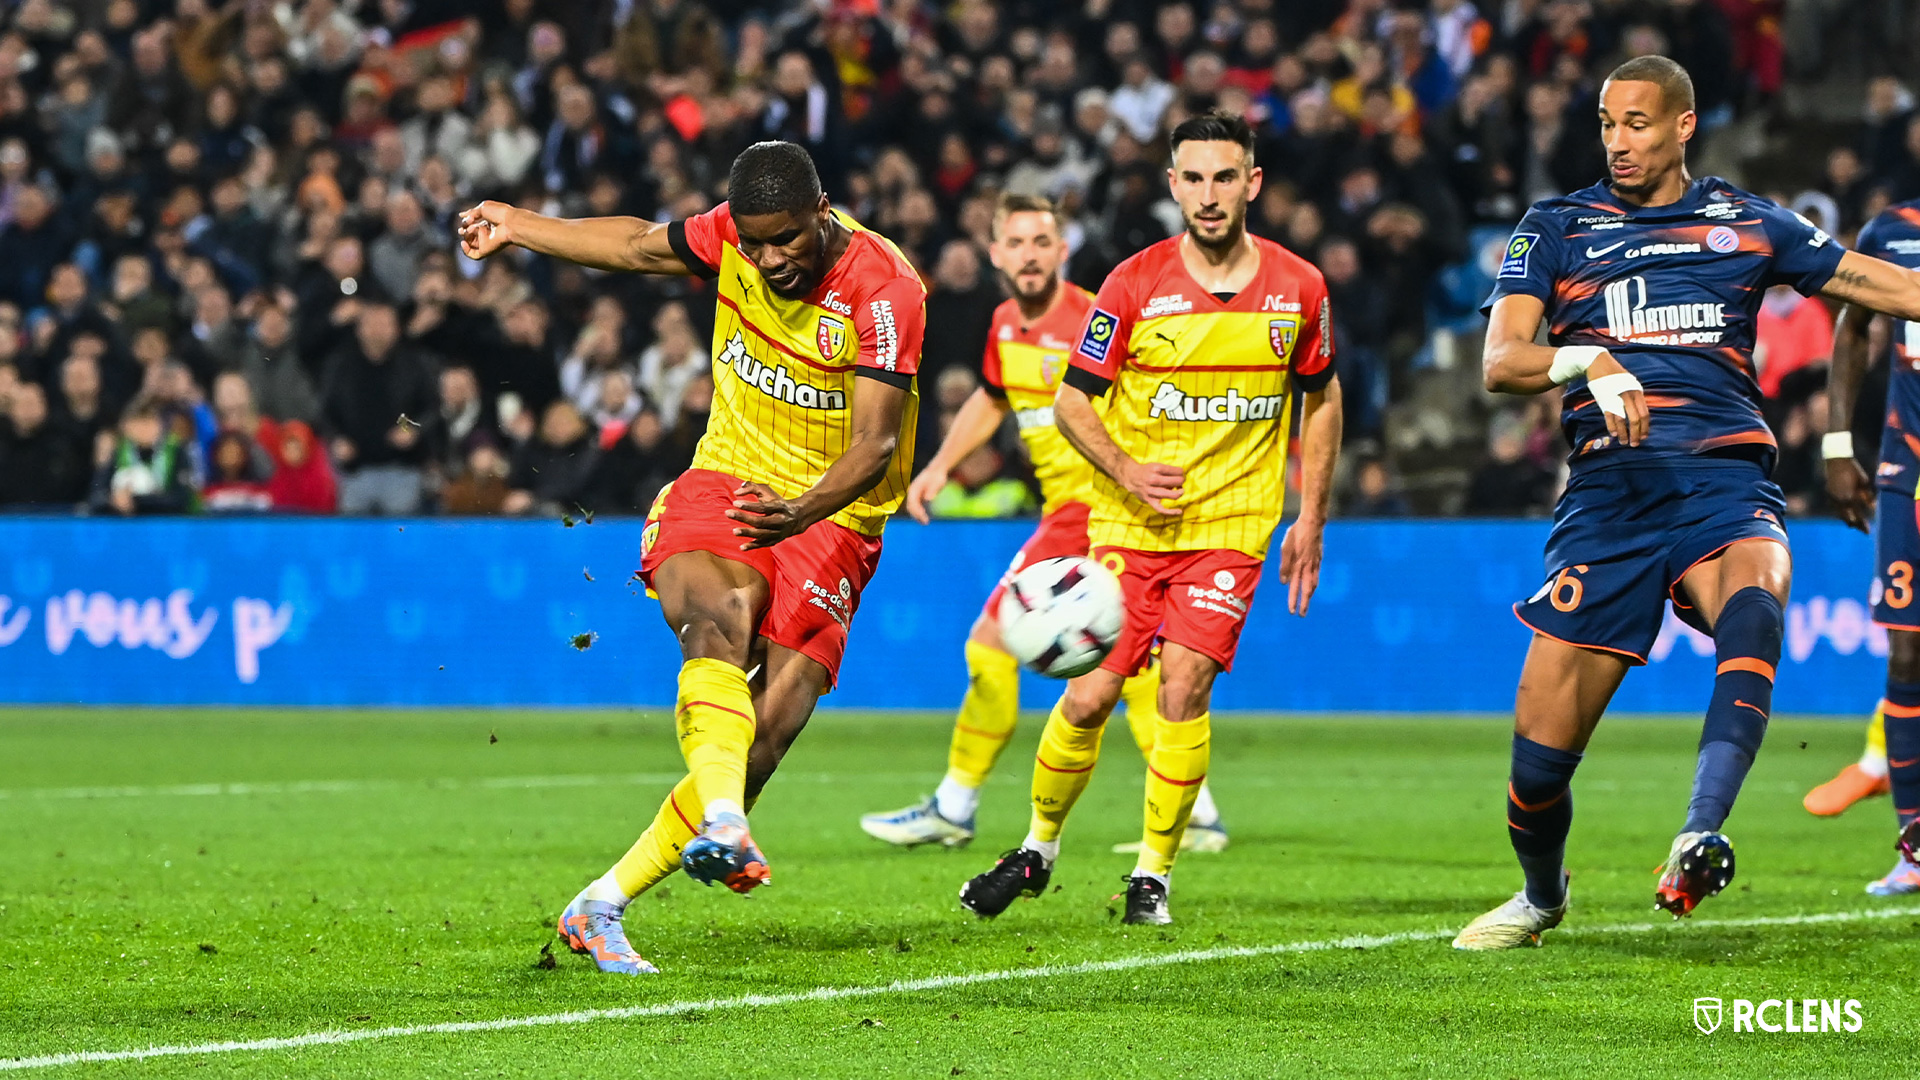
(253, 875)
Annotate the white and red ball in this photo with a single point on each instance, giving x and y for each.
(1060, 617)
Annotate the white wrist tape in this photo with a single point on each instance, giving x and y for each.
(1572, 361)
(1607, 389)
(1836, 444)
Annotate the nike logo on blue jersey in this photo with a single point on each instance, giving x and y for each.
(1593, 254)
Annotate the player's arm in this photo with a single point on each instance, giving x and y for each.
(1513, 363)
(879, 405)
(1154, 484)
(979, 417)
(1854, 333)
(604, 243)
(1875, 284)
(1300, 550)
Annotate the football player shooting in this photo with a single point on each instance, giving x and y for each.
(1199, 343)
(1860, 334)
(1029, 339)
(1649, 283)
(791, 483)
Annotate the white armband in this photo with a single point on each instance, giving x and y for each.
(1607, 389)
(1572, 361)
(1836, 444)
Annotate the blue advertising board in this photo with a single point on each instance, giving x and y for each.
(1411, 616)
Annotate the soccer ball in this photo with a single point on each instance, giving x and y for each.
(1060, 617)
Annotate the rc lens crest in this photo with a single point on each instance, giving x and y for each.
(1281, 334)
(831, 337)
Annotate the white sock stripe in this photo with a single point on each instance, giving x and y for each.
(904, 986)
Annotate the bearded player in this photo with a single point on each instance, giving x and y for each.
(759, 551)
(1894, 236)
(1649, 284)
(1198, 343)
(1027, 347)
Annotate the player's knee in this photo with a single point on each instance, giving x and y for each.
(1751, 624)
(1087, 702)
(722, 630)
(1903, 656)
(1183, 698)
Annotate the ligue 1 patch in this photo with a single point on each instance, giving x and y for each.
(1098, 337)
(831, 337)
(1518, 250)
(1280, 334)
(1722, 239)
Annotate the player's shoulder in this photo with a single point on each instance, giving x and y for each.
(1277, 261)
(1900, 222)
(1145, 266)
(720, 218)
(1566, 210)
(873, 263)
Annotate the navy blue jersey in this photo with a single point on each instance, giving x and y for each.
(1895, 237)
(1672, 292)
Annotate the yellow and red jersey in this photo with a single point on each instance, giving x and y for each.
(1023, 366)
(784, 369)
(1203, 383)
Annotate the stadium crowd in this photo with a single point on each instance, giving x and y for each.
(227, 282)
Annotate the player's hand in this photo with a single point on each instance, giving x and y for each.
(1630, 429)
(766, 518)
(1156, 485)
(1300, 552)
(1851, 490)
(923, 490)
(483, 229)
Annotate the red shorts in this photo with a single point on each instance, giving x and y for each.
(1061, 533)
(1198, 599)
(815, 578)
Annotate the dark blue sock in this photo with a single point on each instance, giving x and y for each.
(1747, 643)
(1903, 748)
(1539, 813)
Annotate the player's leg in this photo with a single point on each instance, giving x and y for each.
(1141, 696)
(1902, 709)
(1741, 594)
(1069, 749)
(988, 714)
(1564, 690)
(1859, 780)
(1176, 772)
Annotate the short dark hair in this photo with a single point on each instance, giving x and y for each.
(773, 178)
(1011, 204)
(1676, 86)
(1215, 126)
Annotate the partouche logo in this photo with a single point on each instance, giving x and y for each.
(1803, 1016)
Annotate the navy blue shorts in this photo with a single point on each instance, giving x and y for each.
(1624, 537)
(1896, 554)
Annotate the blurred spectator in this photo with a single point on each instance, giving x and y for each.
(976, 489)
(394, 258)
(634, 469)
(1792, 332)
(376, 391)
(81, 410)
(147, 469)
(235, 482)
(40, 467)
(303, 480)
(1359, 335)
(1800, 470)
(461, 421)
(550, 473)
(1509, 483)
(272, 367)
(1376, 493)
(673, 360)
(481, 485)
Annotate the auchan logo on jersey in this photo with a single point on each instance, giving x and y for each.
(1172, 403)
(1631, 318)
(775, 382)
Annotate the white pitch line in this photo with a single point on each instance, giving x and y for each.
(903, 986)
(336, 787)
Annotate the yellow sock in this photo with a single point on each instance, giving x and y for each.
(1877, 735)
(714, 719)
(1142, 697)
(1060, 772)
(987, 715)
(1175, 771)
(657, 853)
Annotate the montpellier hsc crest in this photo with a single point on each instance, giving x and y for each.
(832, 335)
(1280, 332)
(1706, 1015)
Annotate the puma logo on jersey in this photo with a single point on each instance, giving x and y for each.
(1172, 403)
(775, 382)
